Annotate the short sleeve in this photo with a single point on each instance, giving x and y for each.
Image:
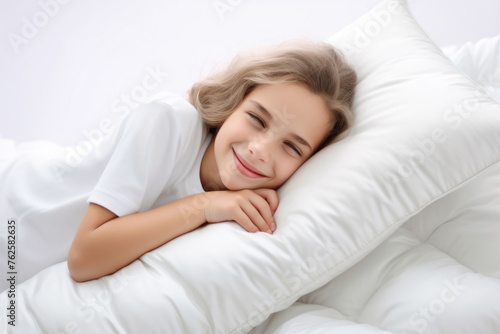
(143, 153)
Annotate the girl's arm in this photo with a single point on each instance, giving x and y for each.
(105, 243)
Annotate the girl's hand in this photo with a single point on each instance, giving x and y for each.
(252, 209)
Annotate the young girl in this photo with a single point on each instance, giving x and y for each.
(173, 166)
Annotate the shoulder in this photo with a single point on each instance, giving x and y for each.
(170, 111)
(167, 119)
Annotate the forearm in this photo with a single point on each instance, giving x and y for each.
(120, 241)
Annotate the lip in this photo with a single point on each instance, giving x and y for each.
(245, 168)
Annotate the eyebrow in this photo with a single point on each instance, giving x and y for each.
(269, 116)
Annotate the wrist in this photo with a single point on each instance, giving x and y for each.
(194, 209)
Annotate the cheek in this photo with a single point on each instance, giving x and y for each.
(233, 130)
(285, 168)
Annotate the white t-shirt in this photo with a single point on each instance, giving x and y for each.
(151, 159)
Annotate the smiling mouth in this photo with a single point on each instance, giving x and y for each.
(244, 168)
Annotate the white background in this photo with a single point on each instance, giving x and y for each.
(85, 57)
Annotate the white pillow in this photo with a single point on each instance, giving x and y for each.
(421, 130)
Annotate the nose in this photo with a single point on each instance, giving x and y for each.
(260, 147)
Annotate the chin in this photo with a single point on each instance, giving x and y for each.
(242, 185)
(238, 186)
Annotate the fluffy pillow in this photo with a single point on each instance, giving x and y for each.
(421, 130)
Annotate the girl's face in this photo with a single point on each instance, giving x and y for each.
(267, 138)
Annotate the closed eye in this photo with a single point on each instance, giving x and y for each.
(290, 147)
(294, 148)
(257, 119)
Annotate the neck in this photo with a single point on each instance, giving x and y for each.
(209, 173)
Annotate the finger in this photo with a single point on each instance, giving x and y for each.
(245, 222)
(264, 211)
(270, 196)
(257, 218)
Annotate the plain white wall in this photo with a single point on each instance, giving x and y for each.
(68, 65)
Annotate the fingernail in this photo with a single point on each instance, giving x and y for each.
(273, 227)
(269, 231)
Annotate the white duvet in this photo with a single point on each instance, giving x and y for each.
(438, 273)
(396, 229)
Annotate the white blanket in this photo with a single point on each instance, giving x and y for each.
(438, 273)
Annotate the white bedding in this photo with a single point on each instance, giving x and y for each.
(438, 273)
(480, 61)
(359, 248)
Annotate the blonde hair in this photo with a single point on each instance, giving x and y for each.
(317, 65)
